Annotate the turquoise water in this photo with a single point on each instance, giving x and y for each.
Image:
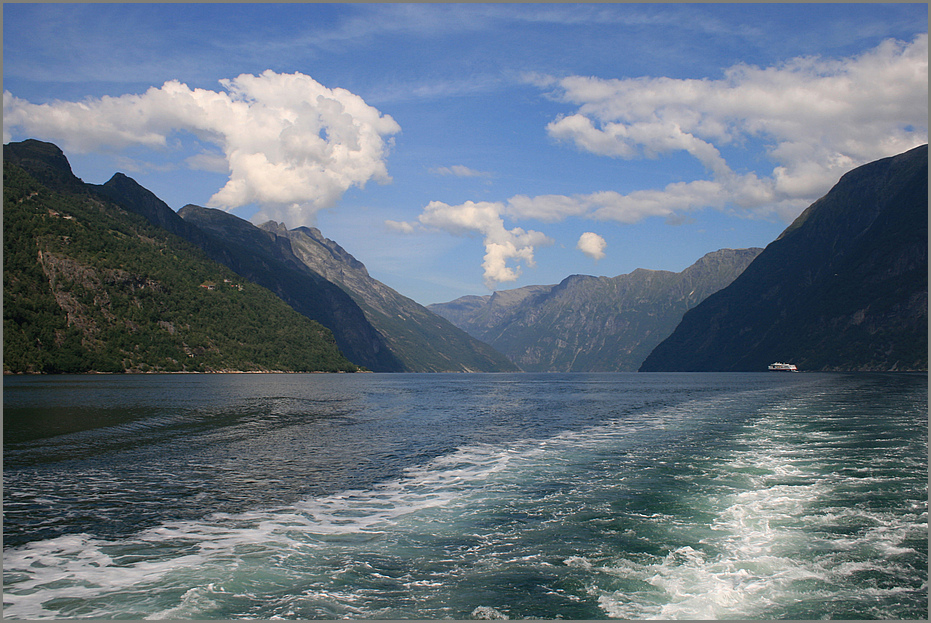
(639, 496)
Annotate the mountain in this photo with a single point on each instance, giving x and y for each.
(372, 324)
(91, 287)
(589, 324)
(410, 339)
(125, 191)
(269, 261)
(422, 340)
(844, 287)
(252, 255)
(475, 314)
(45, 162)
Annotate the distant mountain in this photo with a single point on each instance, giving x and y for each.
(587, 324)
(476, 314)
(91, 287)
(844, 287)
(422, 340)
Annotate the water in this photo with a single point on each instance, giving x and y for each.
(640, 496)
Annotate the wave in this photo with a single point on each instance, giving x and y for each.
(720, 507)
(789, 541)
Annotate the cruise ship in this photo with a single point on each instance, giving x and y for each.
(782, 367)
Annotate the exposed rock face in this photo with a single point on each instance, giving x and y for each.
(589, 324)
(268, 260)
(845, 287)
(422, 341)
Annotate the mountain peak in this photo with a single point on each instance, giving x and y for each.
(845, 287)
(45, 161)
(279, 229)
(592, 324)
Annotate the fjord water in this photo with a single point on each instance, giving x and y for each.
(578, 496)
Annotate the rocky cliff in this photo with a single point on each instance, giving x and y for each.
(845, 287)
(422, 340)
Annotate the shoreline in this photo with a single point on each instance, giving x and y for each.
(140, 373)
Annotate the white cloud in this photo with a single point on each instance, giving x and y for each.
(400, 227)
(501, 244)
(592, 245)
(819, 118)
(290, 145)
(459, 171)
(547, 208)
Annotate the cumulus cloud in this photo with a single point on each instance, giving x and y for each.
(501, 244)
(592, 245)
(816, 118)
(289, 144)
(819, 118)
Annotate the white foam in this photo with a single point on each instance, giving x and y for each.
(488, 613)
(181, 553)
(194, 603)
(83, 567)
(766, 540)
(746, 560)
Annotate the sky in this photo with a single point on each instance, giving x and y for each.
(458, 149)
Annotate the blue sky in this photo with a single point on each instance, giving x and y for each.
(460, 148)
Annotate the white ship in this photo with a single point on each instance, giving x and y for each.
(782, 367)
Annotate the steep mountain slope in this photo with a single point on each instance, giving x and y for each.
(403, 335)
(254, 257)
(269, 261)
(128, 193)
(422, 340)
(90, 287)
(845, 287)
(407, 337)
(593, 323)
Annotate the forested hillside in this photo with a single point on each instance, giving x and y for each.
(89, 287)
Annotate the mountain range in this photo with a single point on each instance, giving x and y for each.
(593, 324)
(402, 336)
(844, 287)
(407, 337)
(108, 278)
